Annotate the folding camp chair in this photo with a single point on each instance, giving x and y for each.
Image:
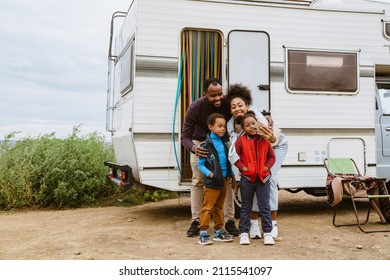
(344, 174)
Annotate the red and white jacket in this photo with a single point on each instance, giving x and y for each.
(257, 155)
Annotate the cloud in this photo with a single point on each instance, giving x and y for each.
(54, 65)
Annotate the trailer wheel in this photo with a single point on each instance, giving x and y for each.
(237, 200)
(293, 190)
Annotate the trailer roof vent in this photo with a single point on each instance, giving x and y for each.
(294, 2)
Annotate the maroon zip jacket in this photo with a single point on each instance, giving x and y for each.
(195, 123)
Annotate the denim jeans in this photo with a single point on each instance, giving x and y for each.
(280, 153)
(262, 191)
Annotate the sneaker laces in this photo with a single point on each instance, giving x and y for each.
(220, 233)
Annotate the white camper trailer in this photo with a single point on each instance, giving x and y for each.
(321, 67)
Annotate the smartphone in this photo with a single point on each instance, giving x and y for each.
(259, 125)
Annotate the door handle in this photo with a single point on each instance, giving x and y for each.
(263, 87)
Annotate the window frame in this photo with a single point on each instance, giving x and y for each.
(384, 96)
(321, 53)
(127, 56)
(387, 36)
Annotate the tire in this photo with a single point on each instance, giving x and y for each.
(237, 200)
(293, 190)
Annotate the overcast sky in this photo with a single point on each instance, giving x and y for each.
(53, 73)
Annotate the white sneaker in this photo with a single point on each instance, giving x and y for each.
(254, 231)
(275, 231)
(244, 239)
(268, 239)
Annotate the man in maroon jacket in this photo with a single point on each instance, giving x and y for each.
(193, 133)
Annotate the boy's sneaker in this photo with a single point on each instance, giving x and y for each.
(193, 230)
(244, 239)
(204, 238)
(254, 231)
(268, 239)
(275, 231)
(231, 228)
(222, 235)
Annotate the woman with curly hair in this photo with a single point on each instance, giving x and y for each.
(240, 99)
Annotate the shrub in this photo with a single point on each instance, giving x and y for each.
(51, 172)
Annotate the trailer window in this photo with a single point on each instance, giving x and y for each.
(126, 69)
(321, 72)
(386, 30)
(384, 96)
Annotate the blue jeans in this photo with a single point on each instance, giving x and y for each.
(280, 153)
(262, 190)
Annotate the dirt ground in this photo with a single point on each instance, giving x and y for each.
(157, 231)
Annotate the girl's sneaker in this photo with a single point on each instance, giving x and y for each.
(268, 239)
(244, 239)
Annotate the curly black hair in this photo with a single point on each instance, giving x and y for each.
(213, 117)
(239, 90)
(244, 117)
(214, 81)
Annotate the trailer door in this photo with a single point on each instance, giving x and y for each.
(383, 101)
(382, 120)
(385, 128)
(200, 59)
(249, 64)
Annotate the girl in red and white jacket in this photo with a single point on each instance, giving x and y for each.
(256, 157)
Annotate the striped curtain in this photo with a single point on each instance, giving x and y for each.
(201, 58)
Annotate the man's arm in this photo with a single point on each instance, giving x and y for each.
(188, 129)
